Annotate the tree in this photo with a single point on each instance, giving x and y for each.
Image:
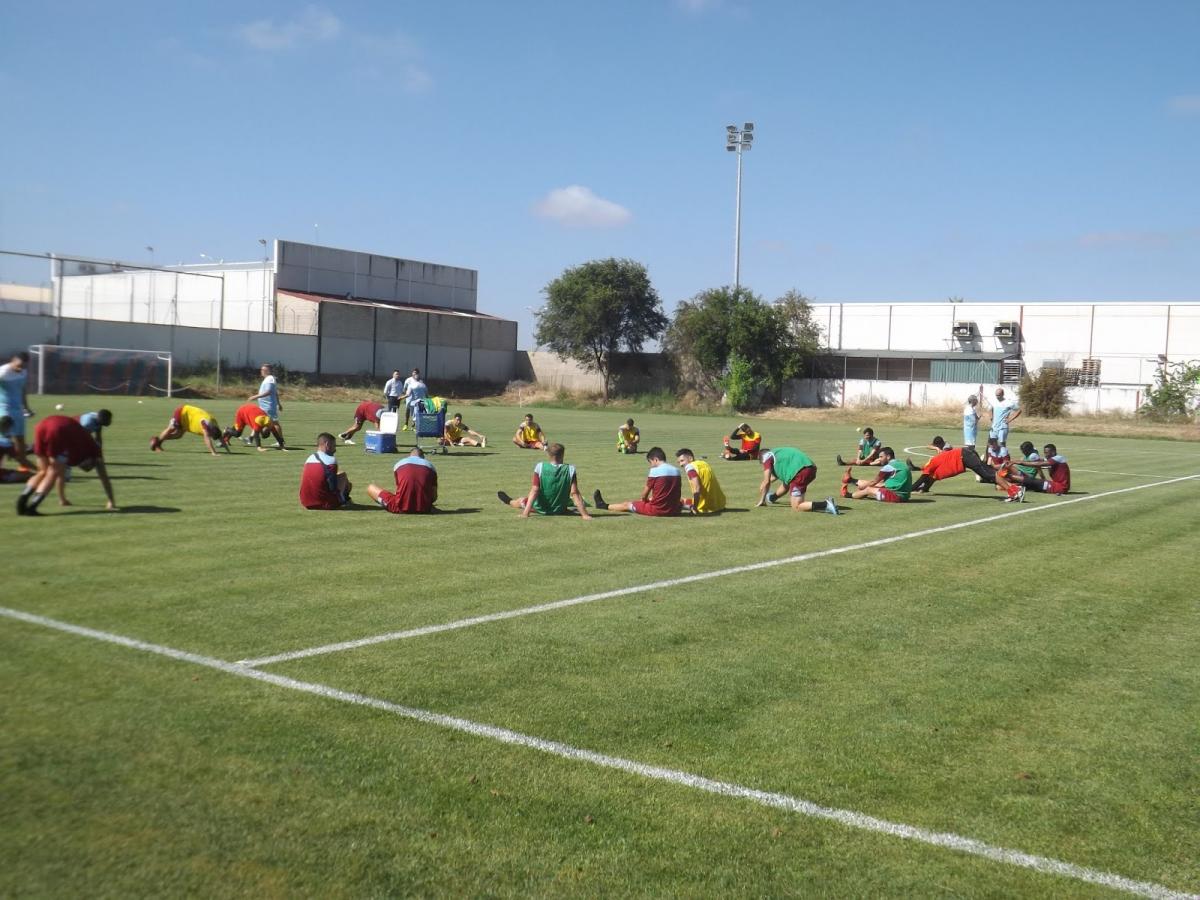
(730, 339)
(597, 309)
(1175, 390)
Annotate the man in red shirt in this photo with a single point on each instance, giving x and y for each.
(660, 497)
(1060, 473)
(416, 486)
(251, 415)
(364, 412)
(322, 486)
(58, 442)
(954, 461)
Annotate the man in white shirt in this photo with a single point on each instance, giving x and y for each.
(392, 391)
(414, 392)
(1004, 413)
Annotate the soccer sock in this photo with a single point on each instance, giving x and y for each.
(35, 500)
(818, 506)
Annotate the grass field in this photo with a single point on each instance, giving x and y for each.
(956, 697)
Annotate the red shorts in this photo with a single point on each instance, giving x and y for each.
(803, 479)
(394, 503)
(644, 508)
(887, 495)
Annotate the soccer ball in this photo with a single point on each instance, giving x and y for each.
(58, 406)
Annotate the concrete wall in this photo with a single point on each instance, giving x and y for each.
(1126, 337)
(808, 392)
(327, 270)
(632, 372)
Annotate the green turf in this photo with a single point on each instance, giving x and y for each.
(1029, 682)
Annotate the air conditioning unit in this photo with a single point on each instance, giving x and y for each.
(1007, 330)
(964, 329)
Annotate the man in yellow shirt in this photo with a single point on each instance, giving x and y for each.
(459, 434)
(628, 436)
(707, 496)
(192, 419)
(529, 434)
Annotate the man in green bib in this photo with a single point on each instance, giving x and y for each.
(553, 490)
(893, 484)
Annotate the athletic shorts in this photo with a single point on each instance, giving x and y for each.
(887, 495)
(18, 422)
(392, 503)
(645, 509)
(1001, 434)
(803, 479)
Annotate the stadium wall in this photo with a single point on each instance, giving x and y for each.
(479, 350)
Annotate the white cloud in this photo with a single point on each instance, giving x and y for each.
(1185, 105)
(576, 206)
(313, 25)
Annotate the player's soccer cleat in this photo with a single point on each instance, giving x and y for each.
(848, 477)
(347, 440)
(598, 500)
(831, 506)
(1016, 494)
(911, 465)
(504, 498)
(483, 443)
(344, 436)
(841, 462)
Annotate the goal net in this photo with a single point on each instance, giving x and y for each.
(100, 370)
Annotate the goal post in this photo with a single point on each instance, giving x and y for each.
(101, 370)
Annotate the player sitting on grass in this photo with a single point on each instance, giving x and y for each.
(250, 415)
(707, 497)
(628, 436)
(59, 442)
(660, 496)
(1060, 473)
(416, 486)
(997, 454)
(867, 453)
(893, 484)
(529, 434)
(188, 418)
(554, 490)
(322, 486)
(459, 434)
(795, 471)
(95, 423)
(751, 442)
(364, 412)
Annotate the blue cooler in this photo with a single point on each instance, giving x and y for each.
(383, 440)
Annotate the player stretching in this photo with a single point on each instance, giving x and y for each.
(628, 436)
(416, 486)
(867, 453)
(955, 461)
(554, 490)
(893, 484)
(364, 412)
(751, 442)
(251, 415)
(59, 442)
(188, 418)
(707, 497)
(1060, 473)
(796, 471)
(529, 434)
(660, 496)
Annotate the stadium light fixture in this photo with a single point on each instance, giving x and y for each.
(738, 141)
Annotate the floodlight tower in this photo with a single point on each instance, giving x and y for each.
(738, 140)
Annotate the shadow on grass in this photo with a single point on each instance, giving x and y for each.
(136, 478)
(121, 511)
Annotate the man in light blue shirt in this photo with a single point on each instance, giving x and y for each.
(13, 402)
(970, 421)
(95, 423)
(415, 391)
(268, 399)
(1004, 413)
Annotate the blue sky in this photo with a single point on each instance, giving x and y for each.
(904, 151)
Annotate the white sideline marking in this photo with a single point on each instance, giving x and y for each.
(846, 817)
(675, 582)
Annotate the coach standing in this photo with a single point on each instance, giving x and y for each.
(268, 399)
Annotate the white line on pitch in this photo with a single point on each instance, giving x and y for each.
(1130, 474)
(845, 817)
(675, 582)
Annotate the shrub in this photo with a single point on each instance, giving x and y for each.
(1176, 388)
(1044, 394)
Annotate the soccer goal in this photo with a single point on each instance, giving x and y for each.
(100, 370)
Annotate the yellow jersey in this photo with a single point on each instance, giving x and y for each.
(191, 418)
(712, 498)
